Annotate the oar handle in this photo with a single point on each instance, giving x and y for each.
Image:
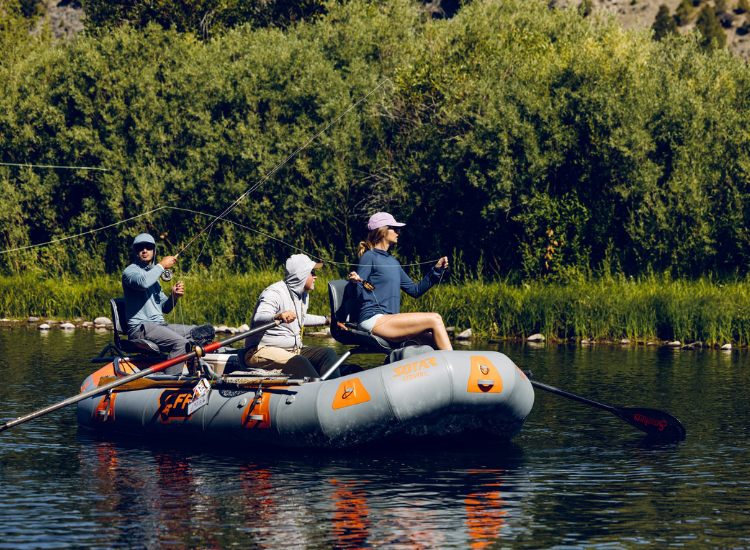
(140, 374)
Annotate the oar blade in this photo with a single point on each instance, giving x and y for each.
(653, 422)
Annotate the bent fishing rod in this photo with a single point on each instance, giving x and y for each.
(198, 351)
(167, 274)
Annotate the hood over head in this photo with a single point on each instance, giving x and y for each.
(298, 267)
(144, 238)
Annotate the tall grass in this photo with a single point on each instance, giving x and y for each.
(611, 307)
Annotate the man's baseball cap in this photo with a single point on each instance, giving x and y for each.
(382, 219)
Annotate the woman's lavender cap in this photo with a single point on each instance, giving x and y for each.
(382, 219)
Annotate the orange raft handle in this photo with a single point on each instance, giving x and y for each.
(200, 351)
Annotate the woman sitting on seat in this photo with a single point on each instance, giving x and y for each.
(380, 279)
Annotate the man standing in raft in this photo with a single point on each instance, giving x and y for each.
(381, 305)
(146, 304)
(280, 347)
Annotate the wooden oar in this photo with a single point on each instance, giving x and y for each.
(652, 421)
(200, 351)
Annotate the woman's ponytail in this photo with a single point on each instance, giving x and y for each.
(373, 238)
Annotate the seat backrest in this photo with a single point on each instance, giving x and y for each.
(345, 309)
(336, 298)
(119, 320)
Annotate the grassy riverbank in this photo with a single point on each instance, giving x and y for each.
(606, 308)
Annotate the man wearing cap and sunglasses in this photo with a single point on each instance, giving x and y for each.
(281, 347)
(146, 304)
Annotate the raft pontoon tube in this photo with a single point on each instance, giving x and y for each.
(438, 393)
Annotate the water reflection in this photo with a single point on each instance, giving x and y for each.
(350, 522)
(485, 514)
(574, 477)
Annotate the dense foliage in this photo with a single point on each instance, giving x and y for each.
(202, 18)
(535, 140)
(664, 23)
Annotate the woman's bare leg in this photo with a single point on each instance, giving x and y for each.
(409, 325)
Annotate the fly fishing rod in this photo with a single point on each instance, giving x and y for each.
(167, 274)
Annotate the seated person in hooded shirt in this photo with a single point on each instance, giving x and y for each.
(281, 347)
(146, 304)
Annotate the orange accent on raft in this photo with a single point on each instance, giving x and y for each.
(105, 410)
(484, 377)
(106, 370)
(350, 392)
(257, 409)
(173, 405)
(109, 370)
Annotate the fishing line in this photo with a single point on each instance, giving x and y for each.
(82, 234)
(432, 308)
(204, 245)
(276, 168)
(291, 245)
(182, 315)
(54, 166)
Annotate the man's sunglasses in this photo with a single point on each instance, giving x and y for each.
(313, 272)
(141, 246)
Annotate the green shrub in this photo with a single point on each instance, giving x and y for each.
(505, 123)
(684, 12)
(664, 23)
(712, 35)
(201, 18)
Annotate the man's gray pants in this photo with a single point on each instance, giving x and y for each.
(174, 339)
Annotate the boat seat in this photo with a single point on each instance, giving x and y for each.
(125, 345)
(345, 310)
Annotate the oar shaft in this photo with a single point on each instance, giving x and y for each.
(572, 396)
(140, 374)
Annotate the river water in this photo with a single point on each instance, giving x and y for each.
(575, 477)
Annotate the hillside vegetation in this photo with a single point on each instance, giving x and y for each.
(534, 140)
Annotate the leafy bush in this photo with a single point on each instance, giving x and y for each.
(712, 35)
(202, 18)
(684, 12)
(664, 23)
(505, 129)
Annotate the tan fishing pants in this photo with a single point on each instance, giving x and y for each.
(311, 361)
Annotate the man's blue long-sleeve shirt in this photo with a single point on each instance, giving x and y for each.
(145, 302)
(389, 279)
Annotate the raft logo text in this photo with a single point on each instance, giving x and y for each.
(414, 370)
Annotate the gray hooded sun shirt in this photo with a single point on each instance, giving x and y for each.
(277, 299)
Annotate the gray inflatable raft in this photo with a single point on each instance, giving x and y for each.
(439, 393)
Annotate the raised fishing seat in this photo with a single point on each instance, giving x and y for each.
(345, 310)
(146, 347)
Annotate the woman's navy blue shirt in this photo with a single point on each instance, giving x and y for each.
(388, 277)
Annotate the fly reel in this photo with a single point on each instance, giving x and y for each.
(166, 275)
